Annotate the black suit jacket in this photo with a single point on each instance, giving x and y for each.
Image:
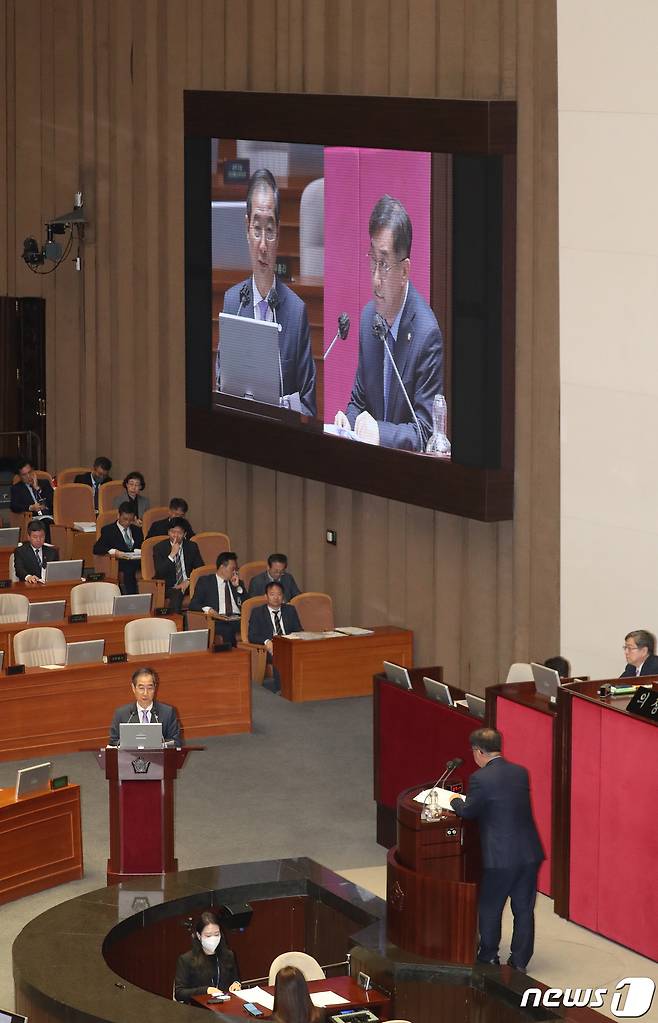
(86, 478)
(161, 527)
(165, 714)
(206, 593)
(260, 622)
(111, 539)
(650, 667)
(20, 498)
(166, 569)
(499, 797)
(25, 561)
(260, 581)
(418, 355)
(297, 366)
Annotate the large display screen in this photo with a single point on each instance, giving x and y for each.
(346, 303)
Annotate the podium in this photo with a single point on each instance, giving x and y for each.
(141, 809)
(432, 883)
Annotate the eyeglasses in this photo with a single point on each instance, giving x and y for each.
(269, 233)
(627, 647)
(381, 265)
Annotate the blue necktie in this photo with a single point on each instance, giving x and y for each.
(262, 308)
(388, 372)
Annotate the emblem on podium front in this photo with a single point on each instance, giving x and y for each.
(141, 766)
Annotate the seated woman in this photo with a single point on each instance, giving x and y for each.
(209, 967)
(292, 1002)
(134, 483)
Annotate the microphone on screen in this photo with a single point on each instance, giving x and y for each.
(245, 297)
(342, 332)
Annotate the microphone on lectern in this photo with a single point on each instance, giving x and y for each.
(380, 330)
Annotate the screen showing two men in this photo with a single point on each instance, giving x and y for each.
(330, 286)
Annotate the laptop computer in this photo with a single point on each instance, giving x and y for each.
(438, 691)
(249, 358)
(476, 705)
(141, 736)
(63, 571)
(397, 674)
(46, 611)
(188, 642)
(134, 604)
(87, 651)
(32, 780)
(9, 536)
(546, 681)
(11, 1017)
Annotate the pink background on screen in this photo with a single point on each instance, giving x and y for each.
(354, 179)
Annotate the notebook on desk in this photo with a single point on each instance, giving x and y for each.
(46, 611)
(63, 571)
(9, 536)
(397, 674)
(438, 691)
(136, 736)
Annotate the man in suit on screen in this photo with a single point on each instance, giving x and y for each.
(263, 297)
(273, 619)
(397, 317)
(499, 799)
(146, 709)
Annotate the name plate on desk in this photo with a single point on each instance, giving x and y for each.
(117, 658)
(80, 617)
(16, 669)
(5, 584)
(162, 612)
(644, 703)
(93, 577)
(236, 172)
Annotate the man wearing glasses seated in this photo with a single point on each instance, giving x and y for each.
(640, 658)
(397, 317)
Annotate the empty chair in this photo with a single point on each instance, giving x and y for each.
(305, 963)
(152, 515)
(148, 635)
(210, 545)
(73, 502)
(108, 494)
(315, 610)
(519, 672)
(68, 475)
(94, 598)
(311, 230)
(250, 569)
(33, 647)
(13, 607)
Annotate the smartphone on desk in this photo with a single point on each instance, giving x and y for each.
(252, 1009)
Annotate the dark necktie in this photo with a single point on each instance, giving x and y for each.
(228, 610)
(388, 372)
(39, 557)
(277, 623)
(179, 569)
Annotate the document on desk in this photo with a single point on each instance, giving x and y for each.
(444, 797)
(314, 635)
(85, 527)
(256, 994)
(353, 630)
(325, 998)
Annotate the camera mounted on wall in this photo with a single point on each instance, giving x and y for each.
(51, 250)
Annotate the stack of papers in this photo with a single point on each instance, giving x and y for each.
(257, 995)
(314, 635)
(85, 527)
(132, 555)
(324, 998)
(353, 630)
(445, 795)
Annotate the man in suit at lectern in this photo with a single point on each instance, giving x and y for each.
(640, 658)
(145, 709)
(499, 797)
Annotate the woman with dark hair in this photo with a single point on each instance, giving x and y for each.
(292, 1002)
(209, 967)
(134, 483)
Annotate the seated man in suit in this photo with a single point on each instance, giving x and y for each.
(120, 539)
(95, 479)
(640, 656)
(34, 495)
(273, 619)
(31, 558)
(378, 411)
(178, 507)
(175, 559)
(146, 709)
(277, 572)
(262, 297)
(221, 595)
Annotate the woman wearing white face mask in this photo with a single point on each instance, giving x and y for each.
(209, 967)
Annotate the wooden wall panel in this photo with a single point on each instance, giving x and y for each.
(93, 100)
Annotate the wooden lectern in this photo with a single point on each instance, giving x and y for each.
(432, 884)
(141, 809)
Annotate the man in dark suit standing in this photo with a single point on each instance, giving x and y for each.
(31, 558)
(262, 297)
(221, 596)
(499, 798)
(273, 619)
(32, 494)
(175, 559)
(277, 572)
(120, 540)
(145, 709)
(95, 479)
(178, 508)
(640, 658)
(377, 410)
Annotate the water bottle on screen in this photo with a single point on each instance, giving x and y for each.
(438, 444)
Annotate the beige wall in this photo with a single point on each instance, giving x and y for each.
(608, 139)
(95, 101)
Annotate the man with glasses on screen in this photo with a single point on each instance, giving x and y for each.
(397, 317)
(262, 297)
